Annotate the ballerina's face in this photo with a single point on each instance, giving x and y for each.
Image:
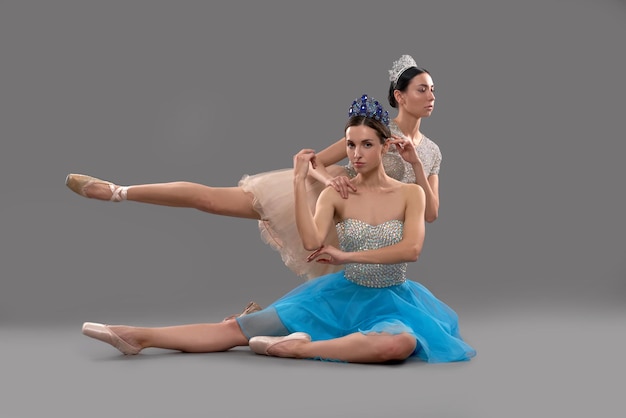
(364, 148)
(419, 97)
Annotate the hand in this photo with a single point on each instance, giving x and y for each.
(406, 149)
(342, 184)
(302, 160)
(327, 254)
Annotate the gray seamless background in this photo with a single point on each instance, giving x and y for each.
(529, 117)
(529, 247)
(529, 113)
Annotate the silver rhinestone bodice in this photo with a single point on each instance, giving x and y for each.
(355, 235)
(395, 166)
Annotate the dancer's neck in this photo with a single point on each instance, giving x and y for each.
(410, 127)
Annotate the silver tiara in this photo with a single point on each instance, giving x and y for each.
(405, 62)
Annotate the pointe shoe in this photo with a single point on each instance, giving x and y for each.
(79, 182)
(103, 333)
(262, 344)
(250, 308)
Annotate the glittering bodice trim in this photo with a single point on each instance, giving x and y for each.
(355, 235)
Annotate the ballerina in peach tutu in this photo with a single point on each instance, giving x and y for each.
(268, 197)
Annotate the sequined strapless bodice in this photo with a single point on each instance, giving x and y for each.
(355, 235)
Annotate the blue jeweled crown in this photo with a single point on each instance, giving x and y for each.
(370, 108)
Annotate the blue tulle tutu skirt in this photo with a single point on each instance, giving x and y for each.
(331, 306)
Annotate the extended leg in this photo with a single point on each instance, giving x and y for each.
(228, 201)
(191, 338)
(353, 348)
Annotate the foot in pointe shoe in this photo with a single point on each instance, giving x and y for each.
(95, 188)
(263, 345)
(104, 333)
(250, 308)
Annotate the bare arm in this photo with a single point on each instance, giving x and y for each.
(328, 173)
(430, 183)
(328, 156)
(313, 230)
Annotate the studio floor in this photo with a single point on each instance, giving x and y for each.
(558, 362)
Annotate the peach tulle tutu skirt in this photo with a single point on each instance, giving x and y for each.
(274, 201)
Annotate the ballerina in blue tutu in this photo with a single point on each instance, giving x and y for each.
(367, 312)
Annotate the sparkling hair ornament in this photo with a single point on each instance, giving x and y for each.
(399, 66)
(370, 108)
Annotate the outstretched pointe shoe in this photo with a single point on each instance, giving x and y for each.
(103, 333)
(79, 183)
(250, 308)
(262, 344)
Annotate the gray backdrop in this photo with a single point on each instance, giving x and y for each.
(529, 247)
(529, 117)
